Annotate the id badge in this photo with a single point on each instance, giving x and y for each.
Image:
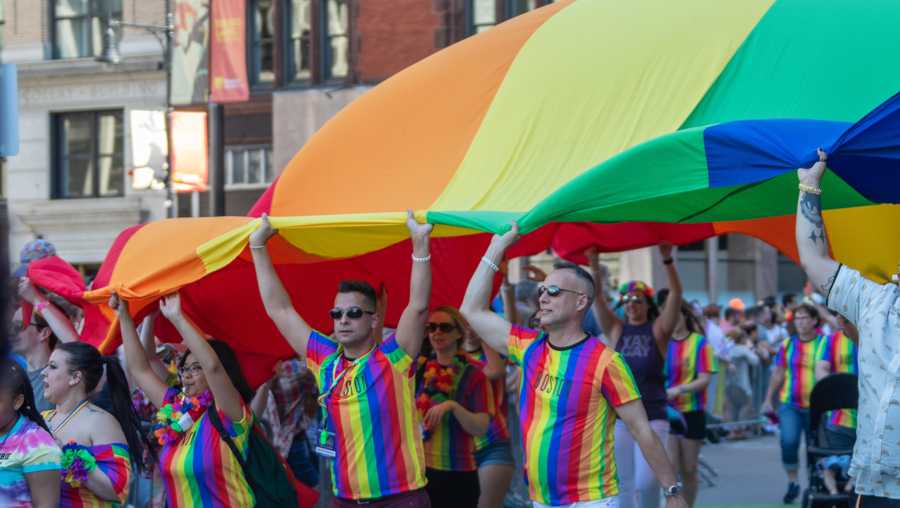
(326, 447)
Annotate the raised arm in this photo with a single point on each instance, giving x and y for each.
(668, 316)
(508, 295)
(136, 361)
(275, 298)
(227, 398)
(609, 322)
(56, 319)
(493, 329)
(411, 327)
(148, 342)
(812, 243)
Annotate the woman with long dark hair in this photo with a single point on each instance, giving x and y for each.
(29, 457)
(690, 364)
(99, 448)
(197, 465)
(642, 338)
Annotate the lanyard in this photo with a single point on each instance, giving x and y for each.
(336, 376)
(69, 416)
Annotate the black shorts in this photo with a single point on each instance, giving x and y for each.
(696, 425)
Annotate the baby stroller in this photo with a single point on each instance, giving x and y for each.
(837, 391)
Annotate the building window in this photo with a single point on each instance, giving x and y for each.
(79, 25)
(88, 155)
(299, 41)
(317, 41)
(481, 15)
(262, 42)
(248, 166)
(336, 62)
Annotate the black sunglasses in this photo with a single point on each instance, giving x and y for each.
(444, 327)
(554, 290)
(17, 326)
(352, 312)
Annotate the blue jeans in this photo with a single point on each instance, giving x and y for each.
(792, 423)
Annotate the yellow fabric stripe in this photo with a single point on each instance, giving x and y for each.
(596, 78)
(333, 236)
(863, 238)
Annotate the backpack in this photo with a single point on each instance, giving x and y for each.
(271, 480)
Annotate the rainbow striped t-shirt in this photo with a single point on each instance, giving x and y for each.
(114, 461)
(370, 404)
(566, 410)
(686, 359)
(448, 446)
(842, 356)
(498, 431)
(27, 448)
(798, 359)
(200, 470)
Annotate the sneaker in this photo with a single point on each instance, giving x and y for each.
(792, 492)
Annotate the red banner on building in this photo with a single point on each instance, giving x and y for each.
(190, 152)
(228, 53)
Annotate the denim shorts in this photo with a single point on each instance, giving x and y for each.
(499, 452)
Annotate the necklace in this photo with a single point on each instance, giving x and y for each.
(68, 417)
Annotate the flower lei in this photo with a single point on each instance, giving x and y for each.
(177, 417)
(438, 384)
(76, 463)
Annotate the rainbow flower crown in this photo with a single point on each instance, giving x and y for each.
(636, 286)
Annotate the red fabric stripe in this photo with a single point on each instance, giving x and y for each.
(112, 257)
(264, 203)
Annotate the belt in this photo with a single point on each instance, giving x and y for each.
(373, 500)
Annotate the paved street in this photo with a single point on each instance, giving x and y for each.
(749, 474)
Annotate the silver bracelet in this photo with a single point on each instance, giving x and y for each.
(421, 260)
(256, 247)
(494, 267)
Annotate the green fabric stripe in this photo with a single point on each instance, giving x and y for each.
(495, 222)
(670, 164)
(770, 198)
(663, 180)
(835, 60)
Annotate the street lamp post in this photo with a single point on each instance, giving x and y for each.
(111, 55)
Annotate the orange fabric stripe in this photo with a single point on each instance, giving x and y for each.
(427, 103)
(145, 268)
(776, 231)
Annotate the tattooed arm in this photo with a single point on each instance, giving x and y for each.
(812, 244)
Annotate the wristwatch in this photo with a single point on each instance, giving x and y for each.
(673, 490)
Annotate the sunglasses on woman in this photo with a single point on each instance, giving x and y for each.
(554, 290)
(444, 327)
(632, 299)
(352, 312)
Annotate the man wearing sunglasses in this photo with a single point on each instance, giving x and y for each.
(370, 433)
(573, 388)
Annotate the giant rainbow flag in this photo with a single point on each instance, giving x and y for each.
(612, 124)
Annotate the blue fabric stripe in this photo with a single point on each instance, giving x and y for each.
(377, 390)
(755, 150)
